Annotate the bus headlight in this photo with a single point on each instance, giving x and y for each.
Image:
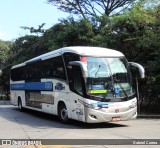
(133, 104)
(93, 106)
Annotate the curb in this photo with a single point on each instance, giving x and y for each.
(149, 116)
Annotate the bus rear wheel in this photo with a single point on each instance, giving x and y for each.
(20, 104)
(63, 113)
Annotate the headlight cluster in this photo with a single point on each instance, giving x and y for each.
(93, 106)
(133, 104)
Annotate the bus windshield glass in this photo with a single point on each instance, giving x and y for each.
(108, 78)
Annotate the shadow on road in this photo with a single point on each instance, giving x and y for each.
(42, 120)
(76, 124)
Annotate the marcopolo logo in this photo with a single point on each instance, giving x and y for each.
(116, 110)
(59, 86)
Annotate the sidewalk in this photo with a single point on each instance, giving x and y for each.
(5, 102)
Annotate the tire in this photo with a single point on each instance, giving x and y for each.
(20, 104)
(63, 113)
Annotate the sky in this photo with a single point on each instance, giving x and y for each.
(30, 13)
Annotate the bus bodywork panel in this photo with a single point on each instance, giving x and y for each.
(47, 101)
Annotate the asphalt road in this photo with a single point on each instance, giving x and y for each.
(35, 125)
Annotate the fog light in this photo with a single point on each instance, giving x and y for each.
(135, 114)
(93, 116)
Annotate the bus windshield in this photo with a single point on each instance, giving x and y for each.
(108, 78)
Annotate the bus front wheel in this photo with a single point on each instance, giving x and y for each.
(63, 113)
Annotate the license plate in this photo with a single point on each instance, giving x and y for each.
(116, 118)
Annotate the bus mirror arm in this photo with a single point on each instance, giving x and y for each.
(82, 65)
(140, 68)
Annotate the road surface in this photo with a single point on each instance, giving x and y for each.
(29, 125)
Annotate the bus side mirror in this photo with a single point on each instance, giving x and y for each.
(83, 67)
(140, 68)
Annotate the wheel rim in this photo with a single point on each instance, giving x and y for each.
(64, 114)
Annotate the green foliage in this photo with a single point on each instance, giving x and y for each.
(25, 48)
(4, 49)
(70, 33)
(39, 30)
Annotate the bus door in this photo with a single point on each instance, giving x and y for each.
(76, 84)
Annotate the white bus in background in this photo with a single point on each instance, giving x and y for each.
(89, 84)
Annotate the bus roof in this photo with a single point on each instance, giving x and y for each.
(80, 50)
(92, 51)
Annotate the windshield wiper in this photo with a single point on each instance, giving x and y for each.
(97, 70)
(117, 82)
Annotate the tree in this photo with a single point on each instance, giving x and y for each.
(25, 48)
(4, 49)
(69, 33)
(33, 30)
(90, 8)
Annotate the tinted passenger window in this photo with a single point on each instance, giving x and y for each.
(50, 68)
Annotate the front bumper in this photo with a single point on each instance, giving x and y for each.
(95, 116)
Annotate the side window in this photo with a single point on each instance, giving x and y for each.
(44, 68)
(68, 57)
(13, 71)
(78, 81)
(50, 68)
(74, 73)
(17, 74)
(30, 72)
(58, 68)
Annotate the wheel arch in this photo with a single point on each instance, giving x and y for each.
(60, 103)
(19, 98)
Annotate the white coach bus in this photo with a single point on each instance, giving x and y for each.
(89, 84)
